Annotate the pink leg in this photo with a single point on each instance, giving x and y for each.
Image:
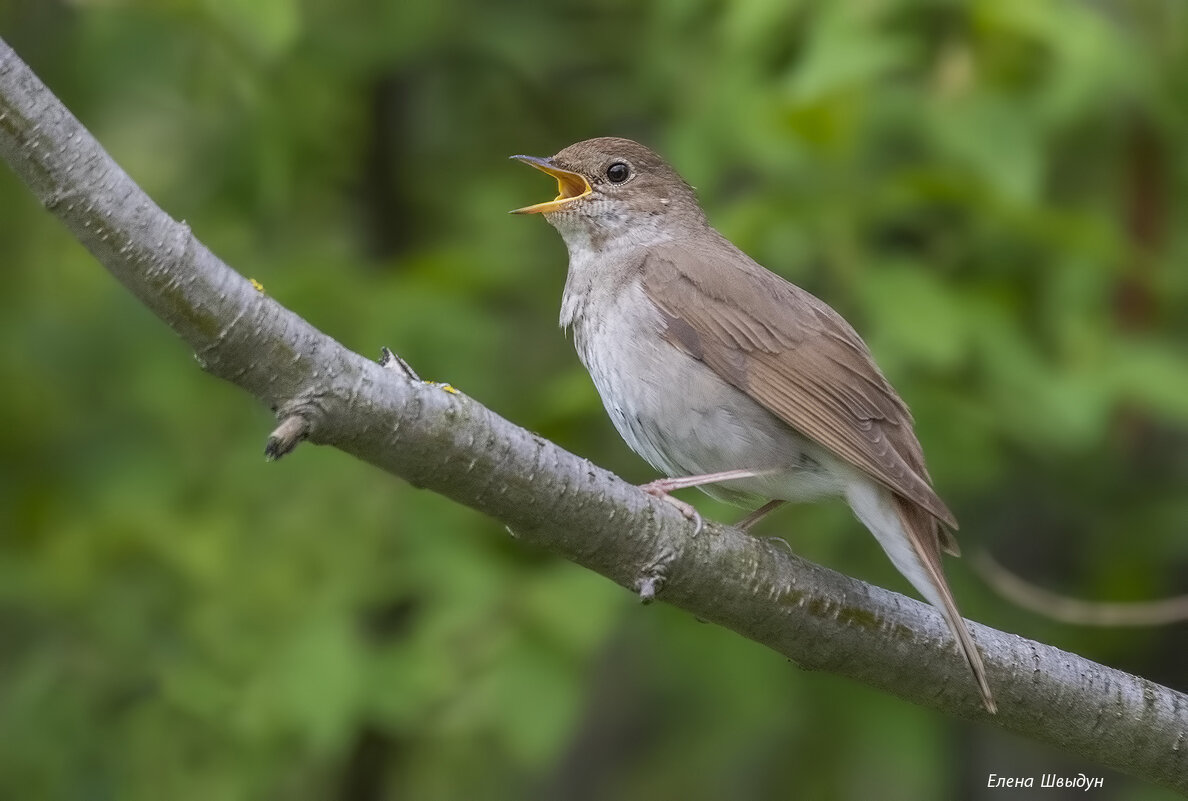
(757, 515)
(661, 487)
(688, 511)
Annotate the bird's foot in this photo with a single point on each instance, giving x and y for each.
(661, 489)
(780, 542)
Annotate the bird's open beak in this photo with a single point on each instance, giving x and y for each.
(570, 186)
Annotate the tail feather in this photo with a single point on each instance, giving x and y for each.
(948, 543)
(924, 533)
(913, 540)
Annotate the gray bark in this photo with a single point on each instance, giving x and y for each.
(451, 444)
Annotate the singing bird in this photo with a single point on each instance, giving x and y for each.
(724, 376)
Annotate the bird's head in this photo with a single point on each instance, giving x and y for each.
(608, 188)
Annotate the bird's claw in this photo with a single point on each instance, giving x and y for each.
(657, 490)
(780, 542)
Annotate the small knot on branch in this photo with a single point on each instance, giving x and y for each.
(648, 587)
(654, 576)
(286, 436)
(390, 361)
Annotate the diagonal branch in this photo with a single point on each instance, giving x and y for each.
(434, 437)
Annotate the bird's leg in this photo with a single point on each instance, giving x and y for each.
(663, 486)
(760, 513)
(660, 488)
(686, 509)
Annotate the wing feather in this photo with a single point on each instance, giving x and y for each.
(794, 355)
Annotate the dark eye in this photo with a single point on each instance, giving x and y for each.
(618, 172)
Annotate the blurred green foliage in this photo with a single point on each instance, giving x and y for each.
(993, 191)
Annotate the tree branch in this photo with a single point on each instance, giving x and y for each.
(437, 438)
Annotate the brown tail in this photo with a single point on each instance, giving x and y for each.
(925, 535)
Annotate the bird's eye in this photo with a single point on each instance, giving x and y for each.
(618, 172)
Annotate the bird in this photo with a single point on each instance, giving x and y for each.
(725, 376)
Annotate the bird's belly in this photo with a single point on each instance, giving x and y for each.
(676, 413)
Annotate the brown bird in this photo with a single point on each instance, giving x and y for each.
(723, 375)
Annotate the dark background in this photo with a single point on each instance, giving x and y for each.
(993, 192)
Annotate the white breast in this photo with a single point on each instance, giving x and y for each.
(672, 409)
